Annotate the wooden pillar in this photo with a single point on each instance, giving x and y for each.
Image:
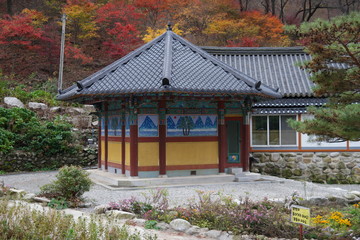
(123, 121)
(106, 135)
(222, 137)
(133, 143)
(246, 143)
(99, 141)
(162, 137)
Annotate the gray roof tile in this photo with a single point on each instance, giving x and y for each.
(187, 68)
(275, 67)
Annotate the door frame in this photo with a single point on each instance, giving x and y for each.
(243, 146)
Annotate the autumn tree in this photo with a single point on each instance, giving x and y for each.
(249, 29)
(335, 67)
(119, 23)
(155, 12)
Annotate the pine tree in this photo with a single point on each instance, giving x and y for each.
(335, 67)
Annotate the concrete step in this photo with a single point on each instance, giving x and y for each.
(115, 180)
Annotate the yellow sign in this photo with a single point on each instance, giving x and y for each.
(300, 215)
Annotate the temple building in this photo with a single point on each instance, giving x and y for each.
(171, 108)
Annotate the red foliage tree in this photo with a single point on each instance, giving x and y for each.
(118, 23)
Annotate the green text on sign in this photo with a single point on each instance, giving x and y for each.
(300, 215)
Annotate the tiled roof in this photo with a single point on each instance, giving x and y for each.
(265, 111)
(275, 67)
(291, 102)
(287, 105)
(169, 63)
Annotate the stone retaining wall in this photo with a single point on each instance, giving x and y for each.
(28, 161)
(330, 167)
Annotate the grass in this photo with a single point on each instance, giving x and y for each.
(20, 222)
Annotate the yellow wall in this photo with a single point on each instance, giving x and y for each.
(114, 152)
(148, 154)
(191, 153)
(102, 150)
(127, 153)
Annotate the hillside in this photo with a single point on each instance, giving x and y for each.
(98, 32)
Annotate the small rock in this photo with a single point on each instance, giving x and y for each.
(35, 105)
(17, 192)
(120, 214)
(193, 230)
(180, 224)
(95, 123)
(84, 205)
(41, 199)
(13, 102)
(55, 109)
(29, 196)
(163, 225)
(213, 233)
(140, 222)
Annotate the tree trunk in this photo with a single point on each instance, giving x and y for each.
(9, 7)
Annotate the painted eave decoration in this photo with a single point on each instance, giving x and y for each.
(167, 64)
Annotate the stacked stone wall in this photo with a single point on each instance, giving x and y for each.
(29, 161)
(322, 167)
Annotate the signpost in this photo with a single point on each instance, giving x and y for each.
(300, 215)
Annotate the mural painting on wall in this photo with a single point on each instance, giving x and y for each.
(148, 125)
(114, 123)
(191, 125)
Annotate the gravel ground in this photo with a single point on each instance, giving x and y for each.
(180, 195)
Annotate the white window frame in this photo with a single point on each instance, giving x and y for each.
(268, 132)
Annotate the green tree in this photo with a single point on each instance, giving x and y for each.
(335, 68)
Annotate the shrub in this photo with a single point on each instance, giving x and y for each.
(21, 129)
(71, 183)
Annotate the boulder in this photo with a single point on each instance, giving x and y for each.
(29, 196)
(356, 193)
(120, 214)
(213, 234)
(163, 226)
(55, 109)
(180, 225)
(13, 102)
(140, 222)
(36, 105)
(194, 230)
(89, 108)
(349, 196)
(100, 209)
(41, 199)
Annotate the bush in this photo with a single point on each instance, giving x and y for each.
(20, 129)
(71, 183)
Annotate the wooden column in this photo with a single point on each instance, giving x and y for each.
(162, 137)
(246, 143)
(123, 121)
(106, 135)
(222, 137)
(99, 141)
(133, 143)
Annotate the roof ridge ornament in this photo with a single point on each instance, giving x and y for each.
(169, 26)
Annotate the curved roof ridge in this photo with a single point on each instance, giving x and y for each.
(97, 75)
(254, 50)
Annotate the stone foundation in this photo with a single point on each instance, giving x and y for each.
(322, 167)
(28, 161)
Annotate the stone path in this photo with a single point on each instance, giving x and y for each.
(180, 195)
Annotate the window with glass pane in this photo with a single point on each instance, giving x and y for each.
(288, 135)
(259, 130)
(274, 135)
